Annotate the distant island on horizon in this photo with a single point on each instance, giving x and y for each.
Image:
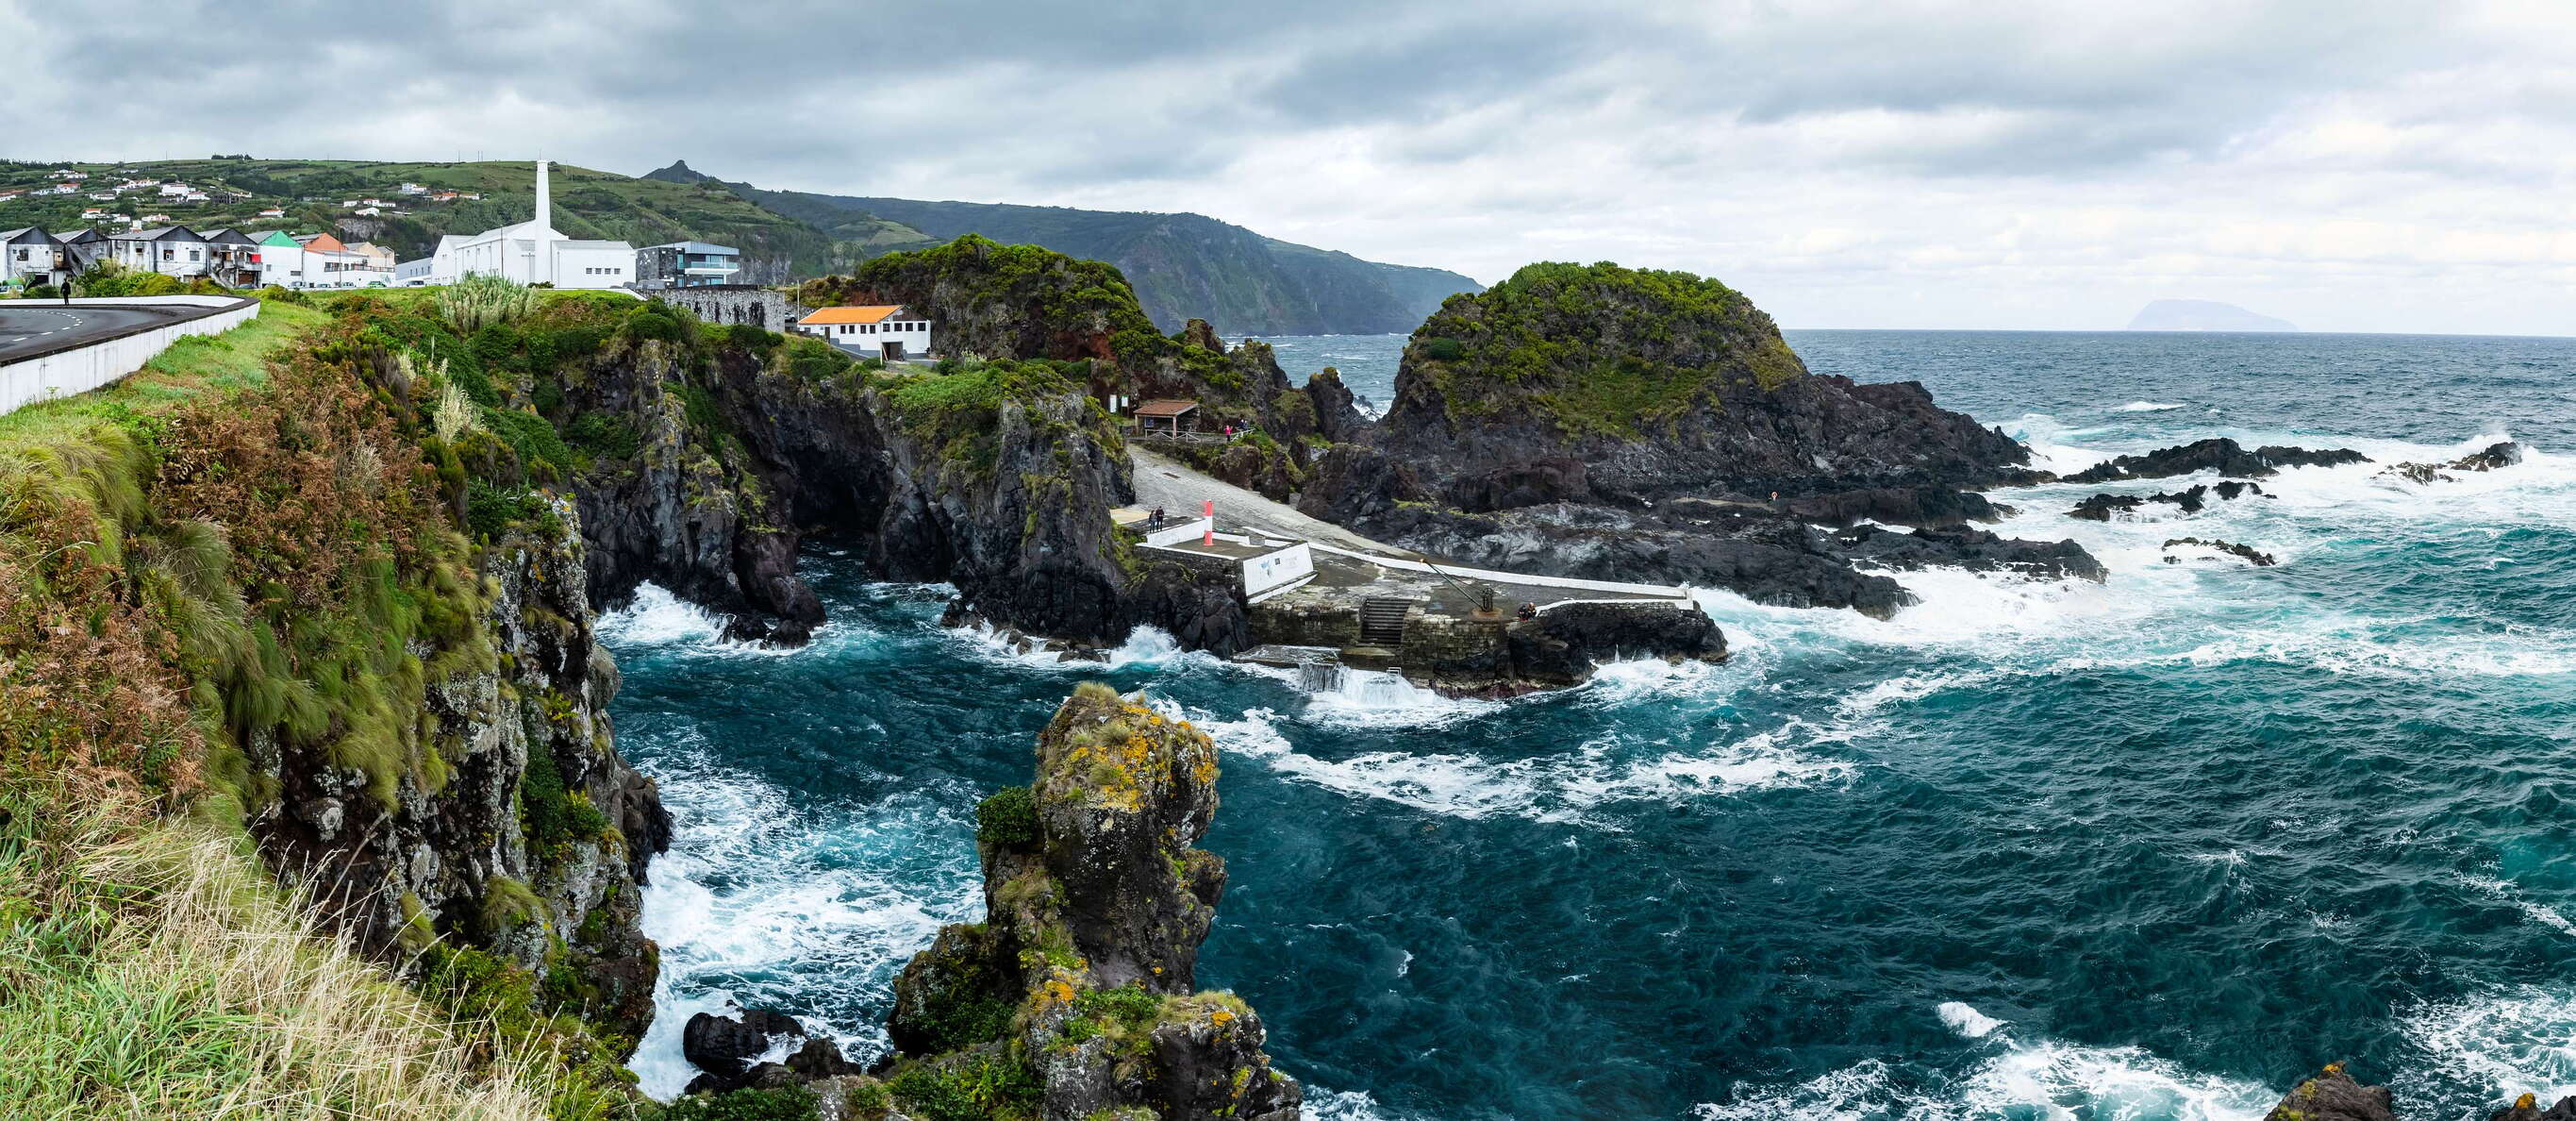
(2204, 315)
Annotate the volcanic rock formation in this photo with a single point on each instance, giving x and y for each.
(1604, 422)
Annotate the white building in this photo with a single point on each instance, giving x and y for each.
(534, 252)
(31, 256)
(888, 331)
(318, 261)
(169, 250)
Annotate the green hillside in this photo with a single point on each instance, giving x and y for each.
(1182, 265)
(588, 204)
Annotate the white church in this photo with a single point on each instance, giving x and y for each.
(530, 252)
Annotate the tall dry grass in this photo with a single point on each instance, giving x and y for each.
(150, 969)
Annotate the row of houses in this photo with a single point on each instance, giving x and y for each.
(31, 256)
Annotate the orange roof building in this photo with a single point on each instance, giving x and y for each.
(890, 331)
(833, 316)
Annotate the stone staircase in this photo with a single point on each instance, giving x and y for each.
(1382, 621)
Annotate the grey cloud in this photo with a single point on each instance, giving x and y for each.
(1474, 136)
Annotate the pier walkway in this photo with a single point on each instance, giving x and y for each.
(1380, 568)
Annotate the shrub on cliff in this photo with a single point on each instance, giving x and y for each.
(1599, 349)
(1008, 818)
(1002, 301)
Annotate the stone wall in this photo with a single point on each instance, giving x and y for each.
(736, 303)
(1307, 619)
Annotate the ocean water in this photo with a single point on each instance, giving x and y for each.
(2148, 849)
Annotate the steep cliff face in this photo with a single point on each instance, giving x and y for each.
(534, 847)
(285, 609)
(1024, 302)
(996, 477)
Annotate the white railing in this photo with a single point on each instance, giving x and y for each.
(1191, 530)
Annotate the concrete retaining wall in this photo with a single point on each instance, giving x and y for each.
(734, 303)
(80, 369)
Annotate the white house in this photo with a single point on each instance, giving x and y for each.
(31, 256)
(534, 252)
(888, 331)
(169, 250)
(318, 261)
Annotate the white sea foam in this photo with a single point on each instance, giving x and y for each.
(1557, 789)
(1967, 1021)
(1143, 646)
(2146, 407)
(2505, 891)
(2045, 1079)
(2492, 1045)
(658, 618)
(1342, 1105)
(752, 887)
(1374, 699)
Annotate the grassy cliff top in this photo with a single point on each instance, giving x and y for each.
(1600, 349)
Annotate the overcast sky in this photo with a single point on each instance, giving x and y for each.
(2348, 165)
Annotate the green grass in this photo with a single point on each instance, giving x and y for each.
(233, 360)
(153, 971)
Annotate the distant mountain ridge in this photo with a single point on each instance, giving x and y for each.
(1181, 265)
(2204, 315)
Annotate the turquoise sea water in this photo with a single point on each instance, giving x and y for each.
(2147, 849)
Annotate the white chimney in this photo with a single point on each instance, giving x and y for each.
(543, 268)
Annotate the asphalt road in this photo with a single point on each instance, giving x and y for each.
(26, 325)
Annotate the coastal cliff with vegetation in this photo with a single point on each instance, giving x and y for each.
(311, 605)
(1605, 422)
(266, 664)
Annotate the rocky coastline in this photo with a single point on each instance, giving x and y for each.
(1076, 996)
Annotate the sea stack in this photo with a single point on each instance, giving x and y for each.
(1079, 986)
